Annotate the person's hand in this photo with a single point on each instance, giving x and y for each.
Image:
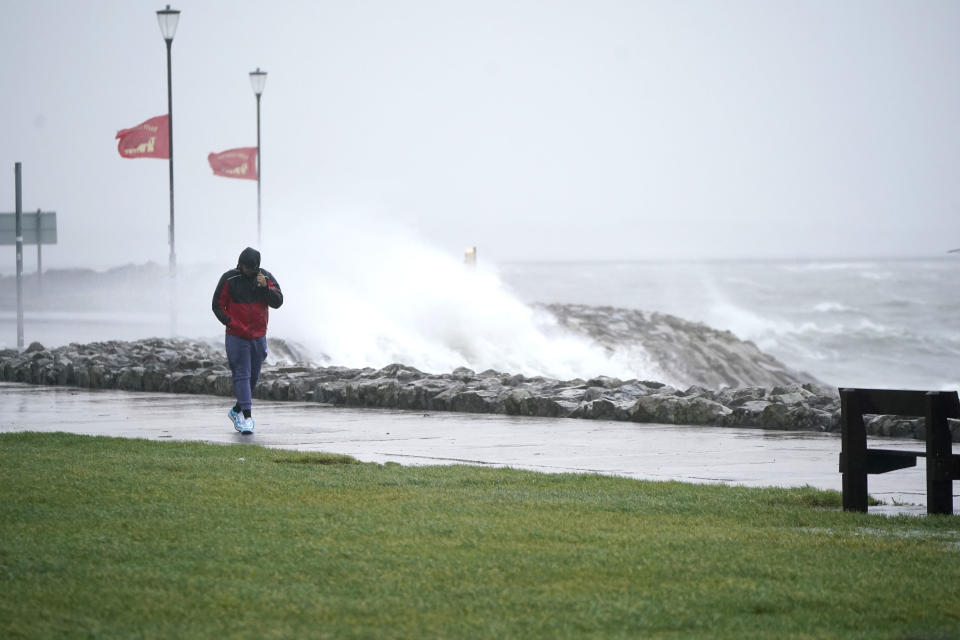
(261, 280)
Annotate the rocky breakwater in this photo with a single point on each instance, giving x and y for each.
(182, 366)
(684, 352)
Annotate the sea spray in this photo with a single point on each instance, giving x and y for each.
(365, 292)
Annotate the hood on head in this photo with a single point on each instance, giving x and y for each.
(249, 257)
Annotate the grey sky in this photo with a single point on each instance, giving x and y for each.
(534, 130)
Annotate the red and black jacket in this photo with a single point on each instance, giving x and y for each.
(242, 306)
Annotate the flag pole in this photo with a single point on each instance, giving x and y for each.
(173, 251)
(259, 172)
(168, 19)
(258, 79)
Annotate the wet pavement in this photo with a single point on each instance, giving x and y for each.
(749, 457)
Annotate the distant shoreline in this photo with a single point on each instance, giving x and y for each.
(948, 254)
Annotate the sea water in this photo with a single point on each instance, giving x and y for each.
(891, 323)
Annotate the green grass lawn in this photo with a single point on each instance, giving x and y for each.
(104, 537)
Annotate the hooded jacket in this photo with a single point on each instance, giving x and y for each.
(240, 304)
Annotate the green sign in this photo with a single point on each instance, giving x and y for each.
(38, 227)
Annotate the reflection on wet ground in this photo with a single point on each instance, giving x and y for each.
(749, 457)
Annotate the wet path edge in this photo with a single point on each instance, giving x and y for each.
(749, 457)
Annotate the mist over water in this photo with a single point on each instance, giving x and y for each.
(370, 294)
(361, 291)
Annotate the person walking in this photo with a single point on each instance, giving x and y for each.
(241, 302)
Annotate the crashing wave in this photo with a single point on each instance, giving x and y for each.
(688, 353)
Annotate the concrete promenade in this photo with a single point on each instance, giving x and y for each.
(748, 457)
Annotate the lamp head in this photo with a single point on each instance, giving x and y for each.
(257, 80)
(168, 22)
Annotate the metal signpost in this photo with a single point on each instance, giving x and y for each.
(38, 227)
(20, 228)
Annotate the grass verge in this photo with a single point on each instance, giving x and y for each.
(103, 537)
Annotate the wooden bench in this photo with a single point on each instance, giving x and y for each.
(857, 461)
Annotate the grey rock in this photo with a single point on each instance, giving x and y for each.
(131, 379)
(677, 410)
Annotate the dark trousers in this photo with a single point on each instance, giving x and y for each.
(246, 357)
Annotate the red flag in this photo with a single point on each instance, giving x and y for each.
(235, 163)
(149, 139)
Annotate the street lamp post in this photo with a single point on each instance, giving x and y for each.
(168, 18)
(257, 80)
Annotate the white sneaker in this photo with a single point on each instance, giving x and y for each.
(235, 418)
(246, 426)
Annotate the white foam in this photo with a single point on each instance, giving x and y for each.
(832, 307)
(368, 293)
(765, 331)
(804, 267)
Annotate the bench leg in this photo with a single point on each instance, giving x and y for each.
(853, 458)
(939, 454)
